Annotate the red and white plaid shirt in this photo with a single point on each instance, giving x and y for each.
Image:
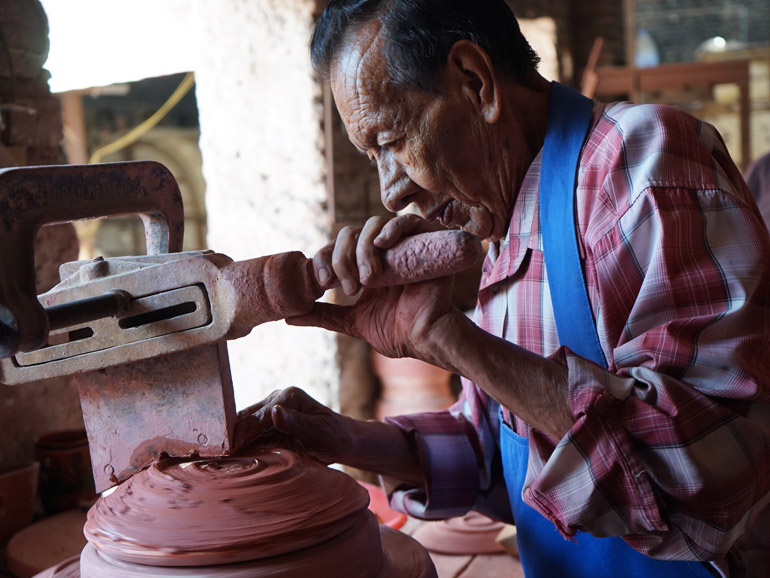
(671, 447)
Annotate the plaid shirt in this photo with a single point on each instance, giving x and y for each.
(671, 444)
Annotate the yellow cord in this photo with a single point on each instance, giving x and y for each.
(136, 133)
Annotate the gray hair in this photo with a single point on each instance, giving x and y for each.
(420, 33)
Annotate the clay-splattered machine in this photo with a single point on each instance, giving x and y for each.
(146, 335)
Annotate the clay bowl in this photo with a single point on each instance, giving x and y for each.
(45, 543)
(473, 533)
(66, 480)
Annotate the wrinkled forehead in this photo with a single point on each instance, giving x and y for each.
(359, 72)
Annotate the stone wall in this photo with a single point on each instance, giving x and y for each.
(263, 161)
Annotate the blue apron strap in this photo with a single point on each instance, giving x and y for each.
(569, 118)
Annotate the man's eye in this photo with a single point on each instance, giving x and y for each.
(389, 145)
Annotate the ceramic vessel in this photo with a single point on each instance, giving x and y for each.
(46, 543)
(473, 533)
(410, 386)
(66, 480)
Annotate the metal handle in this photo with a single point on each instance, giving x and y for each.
(31, 197)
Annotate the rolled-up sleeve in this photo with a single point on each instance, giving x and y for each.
(460, 459)
(450, 466)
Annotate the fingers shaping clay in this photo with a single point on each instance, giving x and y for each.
(271, 513)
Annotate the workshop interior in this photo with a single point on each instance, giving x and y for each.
(167, 171)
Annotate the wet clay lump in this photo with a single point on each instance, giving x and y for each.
(267, 513)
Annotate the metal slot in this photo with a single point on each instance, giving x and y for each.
(149, 317)
(159, 315)
(78, 334)
(59, 337)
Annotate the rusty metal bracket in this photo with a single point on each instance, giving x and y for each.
(177, 404)
(146, 335)
(178, 301)
(31, 197)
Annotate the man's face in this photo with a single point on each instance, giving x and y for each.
(431, 150)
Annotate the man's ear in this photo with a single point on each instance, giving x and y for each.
(470, 70)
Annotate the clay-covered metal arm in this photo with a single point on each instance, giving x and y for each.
(284, 285)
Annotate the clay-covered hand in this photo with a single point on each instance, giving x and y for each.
(354, 259)
(396, 321)
(291, 419)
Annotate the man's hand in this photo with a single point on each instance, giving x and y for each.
(396, 321)
(291, 419)
(418, 320)
(353, 258)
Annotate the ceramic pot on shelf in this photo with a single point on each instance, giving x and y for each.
(410, 386)
(66, 480)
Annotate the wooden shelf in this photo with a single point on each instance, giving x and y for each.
(613, 81)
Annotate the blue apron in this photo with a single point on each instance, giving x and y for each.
(544, 552)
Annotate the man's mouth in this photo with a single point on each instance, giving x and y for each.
(446, 215)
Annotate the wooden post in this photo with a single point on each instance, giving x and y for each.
(74, 126)
(629, 11)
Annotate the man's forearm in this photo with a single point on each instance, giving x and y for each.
(530, 386)
(384, 449)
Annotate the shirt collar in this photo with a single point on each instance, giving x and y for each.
(505, 256)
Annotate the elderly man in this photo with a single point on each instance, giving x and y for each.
(615, 377)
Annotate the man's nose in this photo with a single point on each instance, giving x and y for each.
(395, 189)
